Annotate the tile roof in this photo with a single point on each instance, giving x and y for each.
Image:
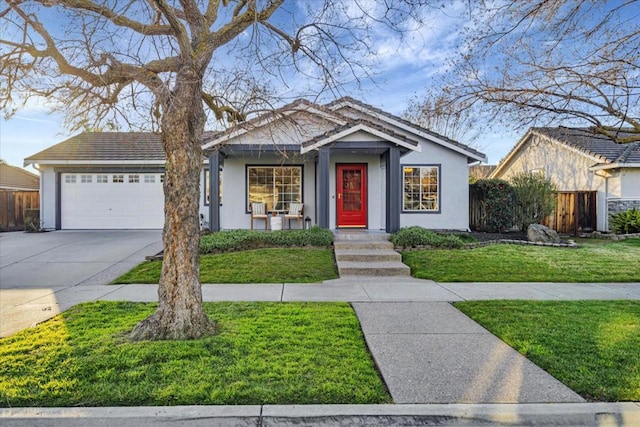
(347, 99)
(13, 177)
(105, 146)
(589, 142)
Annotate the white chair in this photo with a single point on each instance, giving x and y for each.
(295, 212)
(258, 211)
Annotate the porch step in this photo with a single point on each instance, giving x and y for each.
(388, 268)
(363, 245)
(367, 255)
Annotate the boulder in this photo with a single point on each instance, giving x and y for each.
(540, 233)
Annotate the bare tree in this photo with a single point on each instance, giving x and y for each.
(436, 113)
(109, 62)
(575, 62)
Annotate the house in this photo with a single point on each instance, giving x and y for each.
(352, 165)
(579, 160)
(17, 179)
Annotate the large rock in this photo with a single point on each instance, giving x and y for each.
(540, 233)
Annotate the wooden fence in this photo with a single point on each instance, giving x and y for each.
(12, 206)
(575, 212)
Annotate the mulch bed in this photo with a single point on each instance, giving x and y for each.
(485, 237)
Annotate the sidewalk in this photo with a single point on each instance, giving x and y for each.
(441, 368)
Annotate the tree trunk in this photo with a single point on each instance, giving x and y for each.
(180, 314)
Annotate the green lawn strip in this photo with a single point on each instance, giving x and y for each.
(265, 353)
(274, 265)
(591, 262)
(591, 346)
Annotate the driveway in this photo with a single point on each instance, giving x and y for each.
(42, 274)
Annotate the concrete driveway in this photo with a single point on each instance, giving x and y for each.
(42, 274)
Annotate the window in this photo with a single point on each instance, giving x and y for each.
(134, 179)
(70, 179)
(421, 188)
(162, 178)
(86, 179)
(206, 187)
(102, 179)
(275, 186)
(149, 179)
(118, 179)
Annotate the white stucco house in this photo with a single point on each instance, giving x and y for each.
(350, 164)
(577, 159)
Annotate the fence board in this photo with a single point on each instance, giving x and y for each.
(12, 206)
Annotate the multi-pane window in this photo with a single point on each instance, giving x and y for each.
(134, 179)
(276, 186)
(86, 179)
(118, 179)
(149, 179)
(421, 188)
(70, 179)
(102, 179)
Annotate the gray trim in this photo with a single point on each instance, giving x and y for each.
(323, 202)
(109, 169)
(58, 200)
(214, 191)
(393, 190)
(419, 165)
(259, 148)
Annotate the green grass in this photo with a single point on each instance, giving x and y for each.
(279, 265)
(265, 353)
(591, 346)
(591, 262)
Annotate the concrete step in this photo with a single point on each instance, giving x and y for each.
(367, 255)
(344, 236)
(389, 268)
(359, 245)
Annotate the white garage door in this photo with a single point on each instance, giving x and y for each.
(111, 201)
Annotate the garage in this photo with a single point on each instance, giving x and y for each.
(120, 200)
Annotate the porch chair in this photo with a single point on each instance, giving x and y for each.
(259, 211)
(295, 212)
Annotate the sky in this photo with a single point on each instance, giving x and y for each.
(403, 71)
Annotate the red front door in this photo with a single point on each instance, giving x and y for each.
(352, 195)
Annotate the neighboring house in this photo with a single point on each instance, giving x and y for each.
(17, 179)
(577, 159)
(352, 165)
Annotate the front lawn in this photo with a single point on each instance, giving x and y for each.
(276, 265)
(591, 346)
(592, 262)
(265, 353)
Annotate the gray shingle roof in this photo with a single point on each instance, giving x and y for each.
(13, 177)
(344, 99)
(586, 140)
(105, 146)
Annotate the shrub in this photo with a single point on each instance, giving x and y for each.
(496, 204)
(535, 198)
(222, 241)
(417, 236)
(31, 220)
(625, 222)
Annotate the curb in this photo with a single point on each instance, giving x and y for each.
(535, 414)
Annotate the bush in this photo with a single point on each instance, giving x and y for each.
(31, 220)
(496, 204)
(417, 236)
(535, 198)
(222, 241)
(626, 222)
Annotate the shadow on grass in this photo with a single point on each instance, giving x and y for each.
(265, 353)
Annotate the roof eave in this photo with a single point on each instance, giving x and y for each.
(616, 165)
(357, 128)
(424, 135)
(28, 162)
